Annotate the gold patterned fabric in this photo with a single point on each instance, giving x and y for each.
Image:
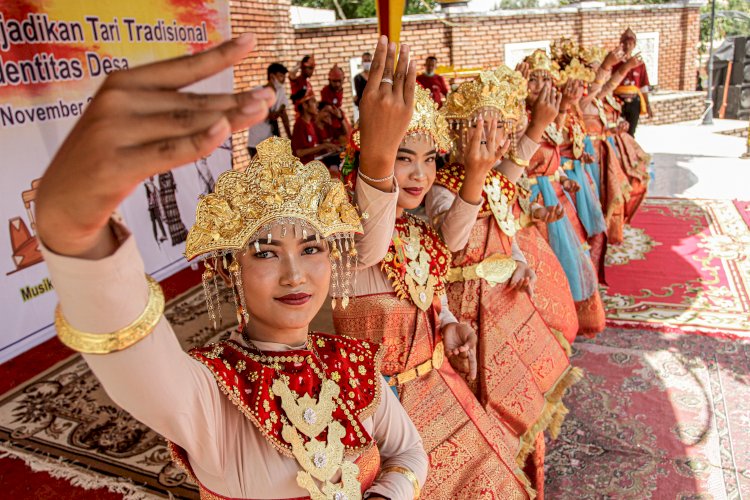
(521, 362)
(471, 452)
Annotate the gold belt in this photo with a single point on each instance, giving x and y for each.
(553, 178)
(495, 269)
(568, 165)
(438, 356)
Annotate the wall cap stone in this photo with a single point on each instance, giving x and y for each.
(584, 7)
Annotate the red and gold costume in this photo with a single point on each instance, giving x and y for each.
(525, 389)
(471, 453)
(250, 380)
(400, 303)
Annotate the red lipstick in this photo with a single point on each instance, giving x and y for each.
(295, 299)
(414, 191)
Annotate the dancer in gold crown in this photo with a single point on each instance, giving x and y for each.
(275, 411)
(490, 284)
(400, 301)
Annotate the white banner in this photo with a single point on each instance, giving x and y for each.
(53, 56)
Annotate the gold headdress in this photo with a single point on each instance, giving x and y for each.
(502, 90)
(540, 61)
(276, 188)
(593, 55)
(427, 120)
(563, 50)
(577, 71)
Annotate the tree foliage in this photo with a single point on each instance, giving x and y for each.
(356, 9)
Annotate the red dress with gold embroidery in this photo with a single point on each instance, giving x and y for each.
(471, 452)
(246, 377)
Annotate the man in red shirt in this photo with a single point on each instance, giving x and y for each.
(332, 97)
(306, 143)
(299, 78)
(633, 90)
(433, 82)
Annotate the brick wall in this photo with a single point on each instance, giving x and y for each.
(463, 40)
(676, 107)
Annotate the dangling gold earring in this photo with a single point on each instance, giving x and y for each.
(236, 273)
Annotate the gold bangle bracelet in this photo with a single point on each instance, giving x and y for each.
(518, 161)
(103, 343)
(409, 475)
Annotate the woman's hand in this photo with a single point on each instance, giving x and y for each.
(138, 125)
(523, 279)
(385, 110)
(570, 186)
(572, 92)
(487, 145)
(548, 214)
(524, 69)
(543, 112)
(460, 343)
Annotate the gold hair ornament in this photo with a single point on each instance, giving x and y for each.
(502, 90)
(540, 61)
(104, 343)
(576, 70)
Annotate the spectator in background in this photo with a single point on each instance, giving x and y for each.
(276, 73)
(360, 81)
(329, 127)
(432, 81)
(306, 142)
(332, 95)
(299, 77)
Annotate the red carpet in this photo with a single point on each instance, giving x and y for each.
(657, 415)
(685, 266)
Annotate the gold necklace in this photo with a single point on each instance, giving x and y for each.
(309, 416)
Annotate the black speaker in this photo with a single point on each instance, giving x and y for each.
(738, 101)
(741, 61)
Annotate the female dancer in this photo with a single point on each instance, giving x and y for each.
(490, 282)
(400, 301)
(550, 184)
(273, 412)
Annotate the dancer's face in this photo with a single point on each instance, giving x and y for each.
(414, 170)
(537, 79)
(285, 283)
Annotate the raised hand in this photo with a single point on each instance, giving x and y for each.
(547, 214)
(544, 111)
(571, 94)
(570, 186)
(524, 69)
(523, 279)
(486, 146)
(384, 112)
(460, 343)
(613, 57)
(138, 125)
(633, 62)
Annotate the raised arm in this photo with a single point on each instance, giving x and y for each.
(138, 125)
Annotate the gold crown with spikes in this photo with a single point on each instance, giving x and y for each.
(563, 50)
(275, 187)
(576, 70)
(540, 61)
(593, 55)
(426, 119)
(502, 89)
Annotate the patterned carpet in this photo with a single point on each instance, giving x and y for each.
(685, 265)
(658, 415)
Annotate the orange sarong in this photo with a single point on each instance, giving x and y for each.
(472, 454)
